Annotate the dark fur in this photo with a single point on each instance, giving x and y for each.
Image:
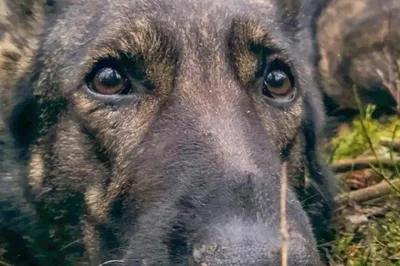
(352, 46)
(154, 178)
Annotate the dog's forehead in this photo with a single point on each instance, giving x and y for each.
(186, 10)
(83, 16)
(82, 24)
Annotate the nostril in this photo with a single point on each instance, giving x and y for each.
(177, 244)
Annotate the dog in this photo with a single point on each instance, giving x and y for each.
(154, 133)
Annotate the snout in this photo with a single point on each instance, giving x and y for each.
(241, 244)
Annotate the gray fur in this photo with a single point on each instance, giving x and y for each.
(154, 177)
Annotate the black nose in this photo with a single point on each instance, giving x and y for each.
(300, 253)
(256, 243)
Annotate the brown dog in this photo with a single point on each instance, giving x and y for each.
(154, 132)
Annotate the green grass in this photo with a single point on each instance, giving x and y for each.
(352, 143)
(377, 241)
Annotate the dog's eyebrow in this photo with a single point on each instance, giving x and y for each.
(140, 38)
(259, 38)
(258, 33)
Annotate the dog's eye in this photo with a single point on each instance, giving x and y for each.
(108, 81)
(278, 85)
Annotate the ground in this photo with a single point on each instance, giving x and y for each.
(365, 156)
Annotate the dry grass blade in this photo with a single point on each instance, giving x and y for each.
(284, 228)
(112, 261)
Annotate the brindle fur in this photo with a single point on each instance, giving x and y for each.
(354, 45)
(149, 178)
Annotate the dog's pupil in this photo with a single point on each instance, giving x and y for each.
(109, 77)
(276, 79)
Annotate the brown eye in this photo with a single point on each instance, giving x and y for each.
(108, 81)
(277, 85)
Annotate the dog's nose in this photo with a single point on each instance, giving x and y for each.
(268, 253)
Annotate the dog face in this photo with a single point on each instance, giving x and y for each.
(160, 129)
